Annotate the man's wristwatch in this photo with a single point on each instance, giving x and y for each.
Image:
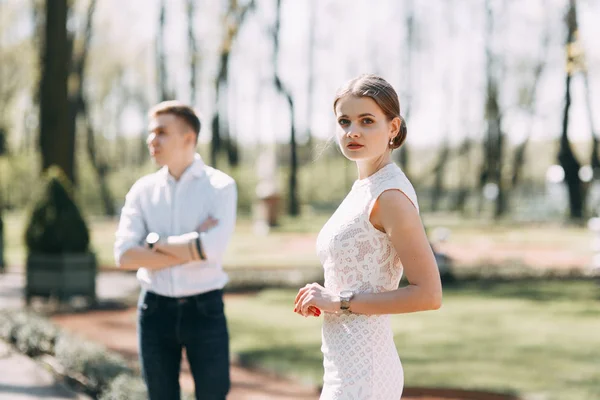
(152, 239)
(345, 297)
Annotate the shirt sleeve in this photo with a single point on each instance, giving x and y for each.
(214, 242)
(131, 230)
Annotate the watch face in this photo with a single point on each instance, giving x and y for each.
(152, 238)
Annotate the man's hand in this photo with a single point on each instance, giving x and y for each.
(207, 224)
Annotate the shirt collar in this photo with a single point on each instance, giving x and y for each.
(196, 170)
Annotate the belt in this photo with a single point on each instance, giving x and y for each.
(182, 300)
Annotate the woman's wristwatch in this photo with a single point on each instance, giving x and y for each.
(345, 297)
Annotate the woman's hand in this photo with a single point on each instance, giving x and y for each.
(314, 298)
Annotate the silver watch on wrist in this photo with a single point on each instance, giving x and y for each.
(152, 239)
(345, 297)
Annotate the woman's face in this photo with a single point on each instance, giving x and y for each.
(363, 130)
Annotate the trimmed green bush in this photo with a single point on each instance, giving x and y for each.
(91, 360)
(107, 375)
(125, 387)
(36, 337)
(55, 225)
(30, 333)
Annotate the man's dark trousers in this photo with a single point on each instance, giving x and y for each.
(166, 325)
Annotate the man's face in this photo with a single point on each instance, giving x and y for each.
(169, 139)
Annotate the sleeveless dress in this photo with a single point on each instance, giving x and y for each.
(359, 355)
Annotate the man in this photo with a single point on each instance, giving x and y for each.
(174, 228)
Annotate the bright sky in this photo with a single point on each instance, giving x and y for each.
(446, 76)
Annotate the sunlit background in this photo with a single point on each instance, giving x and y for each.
(502, 103)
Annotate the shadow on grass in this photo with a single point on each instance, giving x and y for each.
(40, 392)
(453, 394)
(284, 357)
(530, 289)
(278, 355)
(102, 305)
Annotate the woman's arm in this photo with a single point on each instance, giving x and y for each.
(395, 215)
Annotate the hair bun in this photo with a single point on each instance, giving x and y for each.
(401, 136)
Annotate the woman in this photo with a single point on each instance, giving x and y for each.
(373, 236)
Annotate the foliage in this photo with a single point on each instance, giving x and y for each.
(524, 337)
(55, 225)
(106, 373)
(125, 387)
(30, 333)
(91, 360)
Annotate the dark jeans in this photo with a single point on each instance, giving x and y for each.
(197, 323)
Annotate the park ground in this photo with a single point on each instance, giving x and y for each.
(522, 336)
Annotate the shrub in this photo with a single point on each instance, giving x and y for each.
(55, 225)
(31, 334)
(5, 325)
(105, 373)
(125, 387)
(36, 337)
(91, 360)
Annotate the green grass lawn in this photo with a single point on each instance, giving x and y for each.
(549, 235)
(530, 338)
(292, 244)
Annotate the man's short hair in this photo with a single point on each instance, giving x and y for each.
(179, 109)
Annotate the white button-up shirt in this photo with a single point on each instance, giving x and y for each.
(159, 203)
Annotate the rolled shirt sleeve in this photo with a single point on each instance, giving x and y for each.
(131, 230)
(214, 242)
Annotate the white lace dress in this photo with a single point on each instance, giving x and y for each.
(360, 357)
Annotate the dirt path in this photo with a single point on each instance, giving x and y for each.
(117, 331)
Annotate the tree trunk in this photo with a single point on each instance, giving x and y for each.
(519, 162)
(594, 156)
(2, 260)
(78, 107)
(438, 181)
(57, 141)
(464, 154)
(494, 138)
(444, 151)
(520, 151)
(220, 132)
(403, 153)
(293, 201)
(566, 157)
(77, 72)
(569, 162)
(2, 202)
(193, 50)
(100, 167)
(494, 147)
(161, 58)
(221, 139)
(310, 85)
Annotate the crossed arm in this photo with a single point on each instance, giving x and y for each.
(395, 215)
(168, 252)
(206, 243)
